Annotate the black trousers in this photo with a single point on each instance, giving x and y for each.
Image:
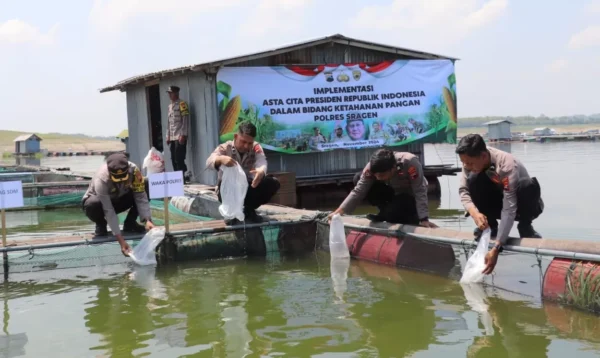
(488, 197)
(260, 195)
(393, 208)
(92, 207)
(178, 153)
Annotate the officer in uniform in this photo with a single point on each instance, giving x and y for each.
(178, 130)
(118, 186)
(393, 182)
(249, 154)
(495, 185)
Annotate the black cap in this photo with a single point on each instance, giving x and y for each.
(173, 89)
(118, 167)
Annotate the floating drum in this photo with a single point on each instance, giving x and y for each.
(403, 252)
(572, 281)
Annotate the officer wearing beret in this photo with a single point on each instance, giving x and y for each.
(178, 129)
(118, 186)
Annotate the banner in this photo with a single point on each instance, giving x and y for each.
(300, 109)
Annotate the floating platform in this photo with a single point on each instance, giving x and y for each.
(562, 138)
(568, 274)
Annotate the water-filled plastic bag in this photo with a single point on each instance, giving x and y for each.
(144, 253)
(476, 263)
(234, 185)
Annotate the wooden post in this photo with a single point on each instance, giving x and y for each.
(166, 202)
(4, 254)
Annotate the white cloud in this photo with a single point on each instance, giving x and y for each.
(279, 15)
(110, 15)
(589, 37)
(17, 31)
(557, 65)
(447, 20)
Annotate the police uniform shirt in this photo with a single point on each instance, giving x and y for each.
(178, 120)
(107, 191)
(407, 177)
(506, 172)
(248, 161)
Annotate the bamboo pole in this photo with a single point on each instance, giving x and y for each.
(4, 254)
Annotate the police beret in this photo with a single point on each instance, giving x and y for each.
(173, 89)
(118, 166)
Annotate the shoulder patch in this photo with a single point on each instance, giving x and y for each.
(183, 107)
(138, 181)
(412, 172)
(367, 173)
(505, 184)
(258, 149)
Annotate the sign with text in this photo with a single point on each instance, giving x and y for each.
(300, 109)
(11, 194)
(165, 185)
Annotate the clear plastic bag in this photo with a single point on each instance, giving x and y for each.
(338, 247)
(234, 185)
(144, 253)
(476, 263)
(154, 162)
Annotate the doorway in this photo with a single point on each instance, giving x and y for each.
(154, 114)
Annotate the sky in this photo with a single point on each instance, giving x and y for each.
(516, 57)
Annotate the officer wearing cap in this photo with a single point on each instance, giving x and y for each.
(116, 187)
(178, 130)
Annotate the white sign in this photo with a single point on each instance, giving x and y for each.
(11, 194)
(165, 185)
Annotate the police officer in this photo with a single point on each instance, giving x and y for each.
(178, 130)
(393, 182)
(118, 186)
(250, 155)
(495, 185)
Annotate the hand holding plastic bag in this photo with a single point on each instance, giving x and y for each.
(474, 268)
(154, 162)
(144, 252)
(234, 185)
(338, 247)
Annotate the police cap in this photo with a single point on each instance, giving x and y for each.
(118, 167)
(173, 89)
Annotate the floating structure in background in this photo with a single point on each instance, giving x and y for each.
(499, 130)
(27, 145)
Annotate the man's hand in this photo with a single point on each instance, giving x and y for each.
(182, 139)
(259, 174)
(480, 221)
(226, 161)
(429, 224)
(149, 225)
(490, 261)
(339, 211)
(125, 249)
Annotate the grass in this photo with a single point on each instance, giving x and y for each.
(583, 287)
(56, 142)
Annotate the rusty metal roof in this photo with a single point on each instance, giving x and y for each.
(339, 39)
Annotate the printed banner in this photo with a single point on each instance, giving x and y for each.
(299, 109)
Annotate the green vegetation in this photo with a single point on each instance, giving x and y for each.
(583, 287)
(62, 142)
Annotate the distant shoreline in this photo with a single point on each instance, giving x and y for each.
(564, 128)
(54, 142)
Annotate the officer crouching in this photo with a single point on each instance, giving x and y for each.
(243, 150)
(118, 186)
(394, 183)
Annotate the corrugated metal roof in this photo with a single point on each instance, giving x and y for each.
(498, 121)
(25, 137)
(287, 48)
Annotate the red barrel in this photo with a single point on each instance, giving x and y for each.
(404, 252)
(564, 276)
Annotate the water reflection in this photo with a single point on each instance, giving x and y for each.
(298, 307)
